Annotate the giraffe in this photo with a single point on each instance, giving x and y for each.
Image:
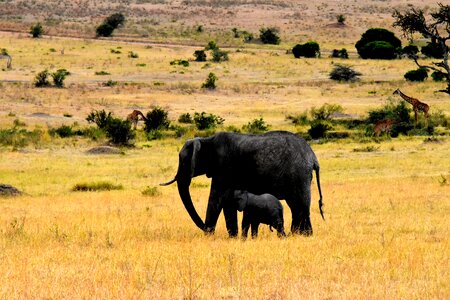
(134, 117)
(383, 126)
(8, 60)
(417, 105)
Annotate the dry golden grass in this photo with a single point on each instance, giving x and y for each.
(386, 233)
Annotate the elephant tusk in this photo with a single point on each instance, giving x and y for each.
(168, 183)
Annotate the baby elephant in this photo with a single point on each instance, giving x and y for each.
(258, 209)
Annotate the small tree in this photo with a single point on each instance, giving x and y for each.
(410, 50)
(206, 121)
(414, 21)
(37, 30)
(256, 126)
(325, 112)
(211, 46)
(210, 82)
(100, 117)
(104, 30)
(157, 119)
(269, 36)
(339, 53)
(200, 55)
(378, 43)
(341, 19)
(219, 55)
(119, 131)
(344, 73)
(416, 75)
(59, 76)
(41, 79)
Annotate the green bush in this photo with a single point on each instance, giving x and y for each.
(63, 131)
(219, 55)
(211, 45)
(200, 55)
(438, 76)
(102, 73)
(36, 30)
(339, 53)
(309, 49)
(185, 118)
(301, 119)
(378, 50)
(179, 62)
(416, 75)
(151, 191)
(41, 79)
(256, 126)
(100, 118)
(59, 76)
(319, 129)
(378, 43)
(157, 119)
(269, 36)
(207, 121)
(119, 131)
(132, 54)
(20, 137)
(154, 134)
(210, 82)
(110, 83)
(96, 187)
(104, 30)
(344, 73)
(432, 50)
(410, 50)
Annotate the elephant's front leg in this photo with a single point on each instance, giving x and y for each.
(215, 205)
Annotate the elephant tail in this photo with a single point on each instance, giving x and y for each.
(317, 169)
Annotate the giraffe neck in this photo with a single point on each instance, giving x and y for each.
(407, 98)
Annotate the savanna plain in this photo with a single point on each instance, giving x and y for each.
(386, 200)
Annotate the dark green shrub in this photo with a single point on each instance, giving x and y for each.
(154, 134)
(115, 20)
(339, 53)
(416, 75)
(340, 19)
(211, 45)
(63, 131)
(41, 79)
(104, 30)
(185, 118)
(36, 30)
(319, 129)
(200, 55)
(269, 36)
(256, 126)
(97, 186)
(119, 131)
(344, 73)
(199, 28)
(179, 62)
(378, 50)
(219, 55)
(59, 76)
(207, 121)
(410, 50)
(210, 82)
(398, 112)
(110, 83)
(247, 36)
(301, 119)
(132, 54)
(432, 50)
(438, 76)
(157, 119)
(100, 118)
(309, 49)
(102, 73)
(387, 44)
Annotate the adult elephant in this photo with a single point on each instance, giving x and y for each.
(278, 162)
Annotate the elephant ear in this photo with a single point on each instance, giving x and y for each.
(196, 145)
(242, 201)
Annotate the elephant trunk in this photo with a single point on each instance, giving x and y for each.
(183, 189)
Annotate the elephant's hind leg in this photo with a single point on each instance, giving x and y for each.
(300, 208)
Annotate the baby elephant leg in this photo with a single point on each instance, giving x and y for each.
(245, 225)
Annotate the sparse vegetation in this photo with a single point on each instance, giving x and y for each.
(269, 35)
(207, 121)
(256, 126)
(344, 73)
(210, 82)
(96, 187)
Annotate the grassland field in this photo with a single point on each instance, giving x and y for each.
(386, 233)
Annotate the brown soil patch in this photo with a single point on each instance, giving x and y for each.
(104, 150)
